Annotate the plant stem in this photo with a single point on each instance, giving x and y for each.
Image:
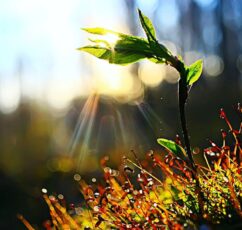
(183, 121)
(182, 98)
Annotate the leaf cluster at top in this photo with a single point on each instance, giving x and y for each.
(129, 49)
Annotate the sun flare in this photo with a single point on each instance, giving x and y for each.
(110, 38)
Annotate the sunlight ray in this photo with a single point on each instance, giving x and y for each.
(84, 123)
(149, 115)
(86, 141)
(121, 126)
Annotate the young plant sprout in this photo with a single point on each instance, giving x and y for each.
(186, 195)
(129, 49)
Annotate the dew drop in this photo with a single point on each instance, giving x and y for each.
(96, 209)
(114, 173)
(135, 192)
(77, 177)
(196, 150)
(107, 170)
(150, 184)
(44, 190)
(96, 194)
(60, 197)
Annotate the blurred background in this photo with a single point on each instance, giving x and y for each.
(61, 111)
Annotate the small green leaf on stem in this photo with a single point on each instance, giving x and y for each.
(122, 49)
(125, 51)
(194, 72)
(118, 48)
(160, 51)
(128, 51)
(99, 31)
(97, 51)
(147, 26)
(173, 147)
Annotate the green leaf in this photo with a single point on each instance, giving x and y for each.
(99, 31)
(157, 61)
(147, 26)
(159, 50)
(128, 51)
(100, 43)
(194, 72)
(172, 147)
(103, 31)
(125, 58)
(134, 44)
(122, 49)
(97, 51)
(125, 50)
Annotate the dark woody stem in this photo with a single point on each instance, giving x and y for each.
(182, 97)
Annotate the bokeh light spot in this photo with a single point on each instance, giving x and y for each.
(44, 190)
(213, 66)
(206, 3)
(168, 14)
(77, 177)
(151, 74)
